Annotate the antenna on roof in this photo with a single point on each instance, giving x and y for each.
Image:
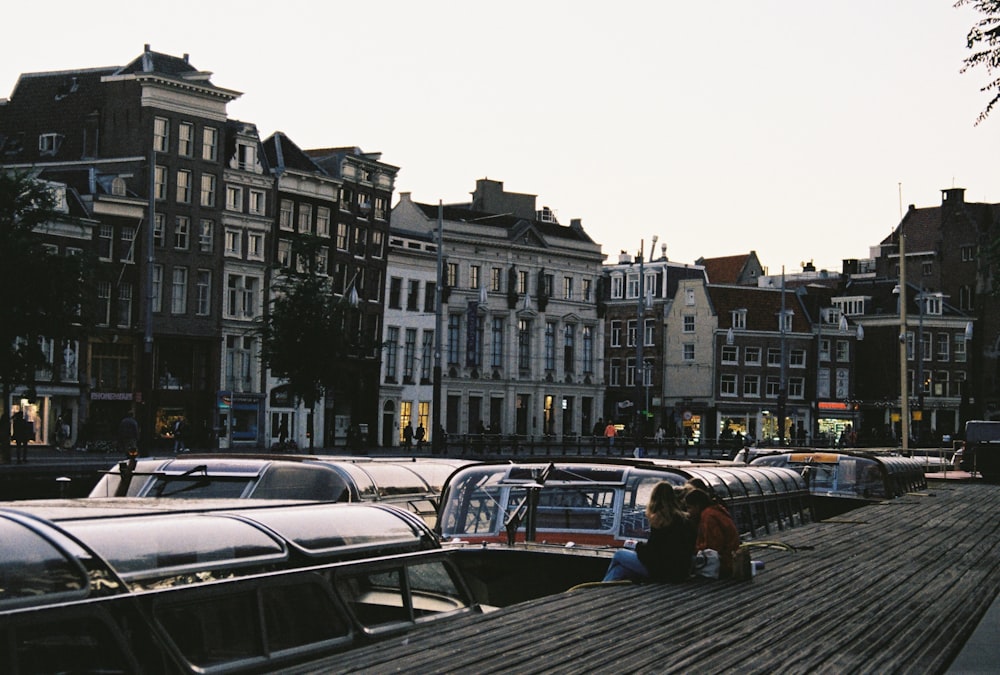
(652, 248)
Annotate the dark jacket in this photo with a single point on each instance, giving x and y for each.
(668, 551)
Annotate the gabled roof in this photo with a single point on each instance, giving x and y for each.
(282, 154)
(515, 226)
(763, 306)
(729, 269)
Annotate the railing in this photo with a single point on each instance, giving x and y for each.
(496, 445)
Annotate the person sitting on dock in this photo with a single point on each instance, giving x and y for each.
(716, 529)
(666, 555)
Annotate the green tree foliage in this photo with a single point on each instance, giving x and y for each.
(305, 335)
(983, 40)
(43, 292)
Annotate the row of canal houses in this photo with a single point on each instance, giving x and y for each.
(533, 329)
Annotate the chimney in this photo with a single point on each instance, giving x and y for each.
(953, 196)
(185, 58)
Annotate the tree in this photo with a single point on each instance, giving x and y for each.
(305, 335)
(43, 292)
(984, 41)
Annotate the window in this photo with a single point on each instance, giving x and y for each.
(773, 357)
(360, 242)
(184, 186)
(105, 242)
(824, 349)
(342, 236)
(391, 347)
(632, 286)
(730, 354)
(322, 221)
(178, 291)
(739, 319)
(496, 280)
(474, 276)
(629, 372)
(688, 323)
(616, 333)
(427, 356)
(124, 304)
(617, 287)
(451, 275)
(409, 353)
(185, 139)
(376, 243)
(496, 342)
(285, 215)
(159, 227)
(210, 144)
(727, 385)
(772, 387)
(588, 349)
(797, 358)
(430, 296)
(751, 356)
(587, 289)
(649, 332)
(206, 235)
(203, 305)
(103, 303)
(615, 373)
(161, 134)
(454, 343)
(522, 282)
(234, 198)
(305, 217)
(284, 253)
(246, 156)
(157, 290)
(413, 296)
(258, 202)
(844, 350)
(751, 386)
(630, 330)
(569, 349)
(959, 348)
(322, 260)
(689, 297)
(796, 388)
(395, 290)
(688, 355)
(160, 182)
(234, 248)
(968, 253)
(128, 244)
(239, 362)
(524, 344)
(785, 321)
(241, 296)
(567, 288)
(550, 346)
(182, 232)
(927, 268)
(965, 297)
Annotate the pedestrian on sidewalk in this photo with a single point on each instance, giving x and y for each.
(23, 432)
(128, 435)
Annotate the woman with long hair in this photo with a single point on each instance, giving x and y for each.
(666, 555)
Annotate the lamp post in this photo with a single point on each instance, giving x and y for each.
(437, 442)
(782, 383)
(904, 394)
(919, 356)
(640, 335)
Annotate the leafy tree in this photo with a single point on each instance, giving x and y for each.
(305, 335)
(43, 293)
(984, 41)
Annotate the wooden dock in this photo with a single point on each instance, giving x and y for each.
(897, 587)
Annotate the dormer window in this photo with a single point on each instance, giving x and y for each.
(785, 321)
(739, 319)
(48, 144)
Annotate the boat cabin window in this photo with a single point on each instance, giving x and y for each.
(34, 567)
(83, 643)
(384, 596)
(213, 629)
(342, 527)
(174, 545)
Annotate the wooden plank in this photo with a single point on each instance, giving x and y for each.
(894, 587)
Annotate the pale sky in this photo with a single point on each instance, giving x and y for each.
(795, 128)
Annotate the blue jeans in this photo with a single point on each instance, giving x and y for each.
(625, 564)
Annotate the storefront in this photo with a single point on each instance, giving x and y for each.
(240, 419)
(836, 424)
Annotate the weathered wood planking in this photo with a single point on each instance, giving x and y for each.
(893, 588)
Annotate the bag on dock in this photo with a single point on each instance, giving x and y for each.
(741, 564)
(706, 563)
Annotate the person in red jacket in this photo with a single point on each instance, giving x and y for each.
(716, 529)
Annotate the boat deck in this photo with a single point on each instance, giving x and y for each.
(890, 588)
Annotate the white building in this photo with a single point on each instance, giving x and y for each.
(521, 341)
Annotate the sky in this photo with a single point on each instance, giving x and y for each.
(798, 129)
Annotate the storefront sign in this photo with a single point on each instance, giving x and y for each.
(111, 396)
